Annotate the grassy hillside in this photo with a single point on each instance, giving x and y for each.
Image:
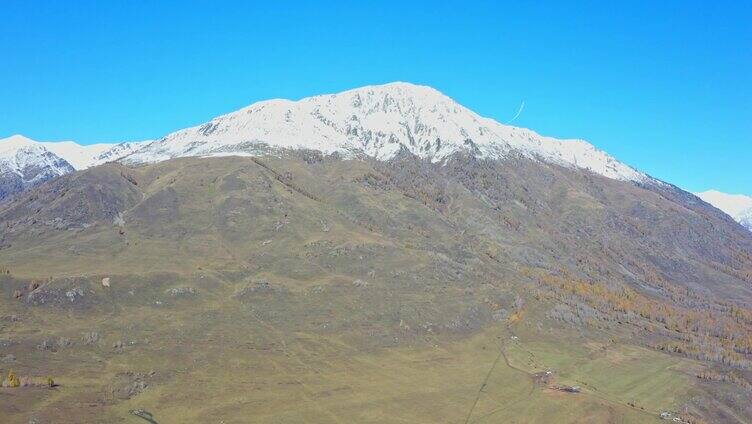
(312, 289)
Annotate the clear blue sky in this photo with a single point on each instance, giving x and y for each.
(664, 86)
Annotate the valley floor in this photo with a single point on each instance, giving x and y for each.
(198, 362)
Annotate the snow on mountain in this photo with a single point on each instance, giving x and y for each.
(745, 218)
(81, 157)
(115, 152)
(737, 206)
(732, 204)
(18, 153)
(86, 156)
(25, 163)
(378, 121)
(77, 155)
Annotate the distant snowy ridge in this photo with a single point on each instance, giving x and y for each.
(25, 163)
(745, 218)
(86, 156)
(378, 121)
(737, 206)
(19, 154)
(81, 157)
(76, 155)
(118, 151)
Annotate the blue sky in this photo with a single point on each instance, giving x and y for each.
(664, 86)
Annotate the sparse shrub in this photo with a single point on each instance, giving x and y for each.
(691, 326)
(13, 380)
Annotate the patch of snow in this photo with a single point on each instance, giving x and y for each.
(745, 218)
(119, 151)
(737, 206)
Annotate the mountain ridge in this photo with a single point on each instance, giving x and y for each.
(375, 120)
(26, 163)
(378, 121)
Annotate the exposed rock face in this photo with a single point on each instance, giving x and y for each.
(79, 200)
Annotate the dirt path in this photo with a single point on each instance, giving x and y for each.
(502, 355)
(485, 382)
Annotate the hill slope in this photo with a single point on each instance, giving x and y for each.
(300, 277)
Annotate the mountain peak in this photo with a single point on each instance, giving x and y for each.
(378, 121)
(17, 138)
(15, 142)
(401, 87)
(26, 163)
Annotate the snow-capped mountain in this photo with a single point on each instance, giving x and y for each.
(737, 206)
(25, 163)
(117, 151)
(378, 121)
(86, 156)
(77, 155)
(80, 156)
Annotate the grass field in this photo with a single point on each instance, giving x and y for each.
(205, 359)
